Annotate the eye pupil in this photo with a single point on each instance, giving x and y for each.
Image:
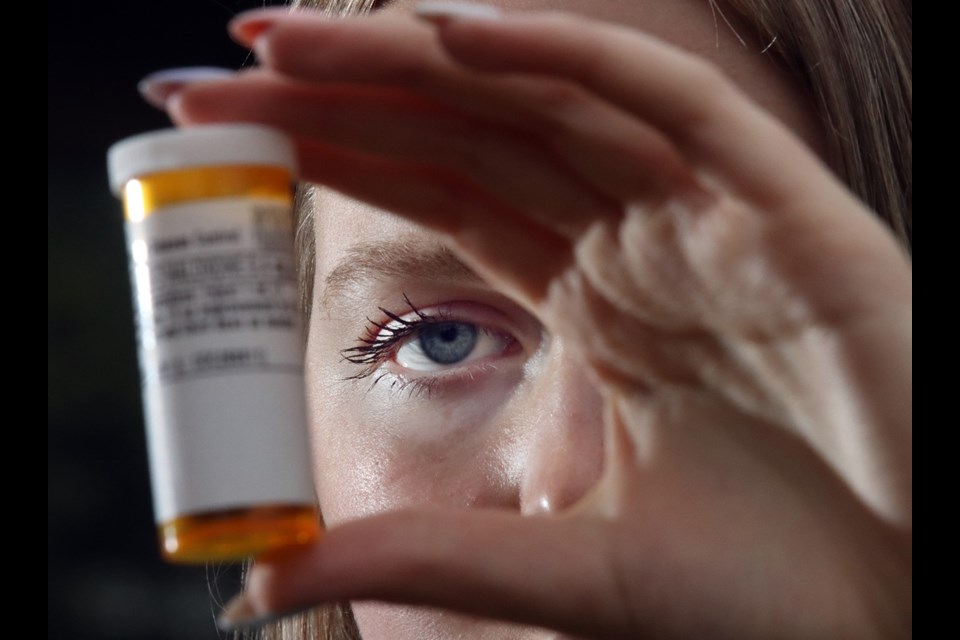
(448, 342)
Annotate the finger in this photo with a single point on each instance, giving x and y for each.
(621, 156)
(157, 87)
(511, 252)
(511, 165)
(446, 559)
(682, 95)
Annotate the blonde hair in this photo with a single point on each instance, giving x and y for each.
(853, 59)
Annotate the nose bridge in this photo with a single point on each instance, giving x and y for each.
(564, 452)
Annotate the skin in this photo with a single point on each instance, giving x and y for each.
(690, 415)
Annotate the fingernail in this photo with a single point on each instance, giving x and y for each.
(236, 614)
(158, 87)
(249, 25)
(239, 615)
(440, 11)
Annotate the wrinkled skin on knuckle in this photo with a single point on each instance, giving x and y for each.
(623, 326)
(667, 296)
(715, 267)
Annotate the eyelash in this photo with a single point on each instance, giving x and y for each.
(375, 351)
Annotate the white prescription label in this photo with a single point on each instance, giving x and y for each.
(221, 356)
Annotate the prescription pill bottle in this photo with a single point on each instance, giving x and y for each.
(209, 228)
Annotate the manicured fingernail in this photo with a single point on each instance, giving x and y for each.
(441, 11)
(249, 25)
(158, 87)
(236, 614)
(239, 615)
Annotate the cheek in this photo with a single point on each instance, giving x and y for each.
(377, 448)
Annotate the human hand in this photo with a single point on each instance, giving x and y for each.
(746, 318)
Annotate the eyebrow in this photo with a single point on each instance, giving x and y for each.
(393, 259)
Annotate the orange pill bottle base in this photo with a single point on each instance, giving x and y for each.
(238, 534)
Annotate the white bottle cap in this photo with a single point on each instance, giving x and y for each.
(223, 144)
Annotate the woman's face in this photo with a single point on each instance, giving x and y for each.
(465, 400)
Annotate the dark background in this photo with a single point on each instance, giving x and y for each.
(105, 579)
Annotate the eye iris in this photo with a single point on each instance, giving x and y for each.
(448, 342)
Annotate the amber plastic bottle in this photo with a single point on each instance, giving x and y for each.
(210, 237)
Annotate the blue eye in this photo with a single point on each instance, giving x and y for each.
(447, 342)
(435, 346)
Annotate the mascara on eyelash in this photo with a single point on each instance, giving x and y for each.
(394, 338)
(373, 351)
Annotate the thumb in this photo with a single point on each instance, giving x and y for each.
(481, 562)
